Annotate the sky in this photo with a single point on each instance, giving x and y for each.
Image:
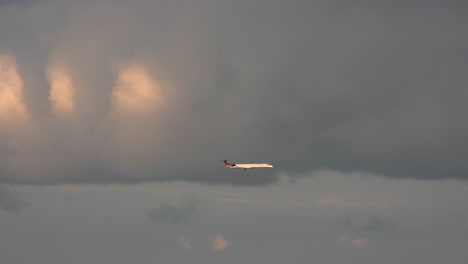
(115, 117)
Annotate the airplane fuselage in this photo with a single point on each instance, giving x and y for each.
(246, 166)
(249, 166)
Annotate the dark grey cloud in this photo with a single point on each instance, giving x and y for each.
(372, 86)
(9, 202)
(174, 214)
(5, 2)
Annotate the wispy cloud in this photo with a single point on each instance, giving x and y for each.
(8, 202)
(174, 214)
(368, 224)
(359, 242)
(356, 241)
(184, 242)
(233, 198)
(336, 201)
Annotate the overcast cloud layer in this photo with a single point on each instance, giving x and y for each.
(118, 91)
(274, 224)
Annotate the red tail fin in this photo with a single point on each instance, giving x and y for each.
(226, 162)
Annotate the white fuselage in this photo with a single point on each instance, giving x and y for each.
(249, 166)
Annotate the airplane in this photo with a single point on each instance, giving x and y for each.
(245, 167)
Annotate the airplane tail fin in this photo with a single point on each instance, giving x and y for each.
(226, 163)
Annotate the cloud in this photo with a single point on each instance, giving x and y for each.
(376, 224)
(184, 242)
(233, 198)
(191, 87)
(336, 201)
(62, 92)
(368, 224)
(13, 110)
(219, 243)
(356, 242)
(359, 242)
(174, 214)
(8, 202)
(135, 91)
(342, 239)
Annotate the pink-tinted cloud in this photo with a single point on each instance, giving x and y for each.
(219, 243)
(12, 107)
(62, 92)
(356, 242)
(135, 91)
(359, 242)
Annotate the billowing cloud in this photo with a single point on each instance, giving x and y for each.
(135, 91)
(18, 134)
(219, 243)
(62, 92)
(13, 110)
(346, 86)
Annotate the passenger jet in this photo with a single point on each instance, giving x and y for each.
(246, 166)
